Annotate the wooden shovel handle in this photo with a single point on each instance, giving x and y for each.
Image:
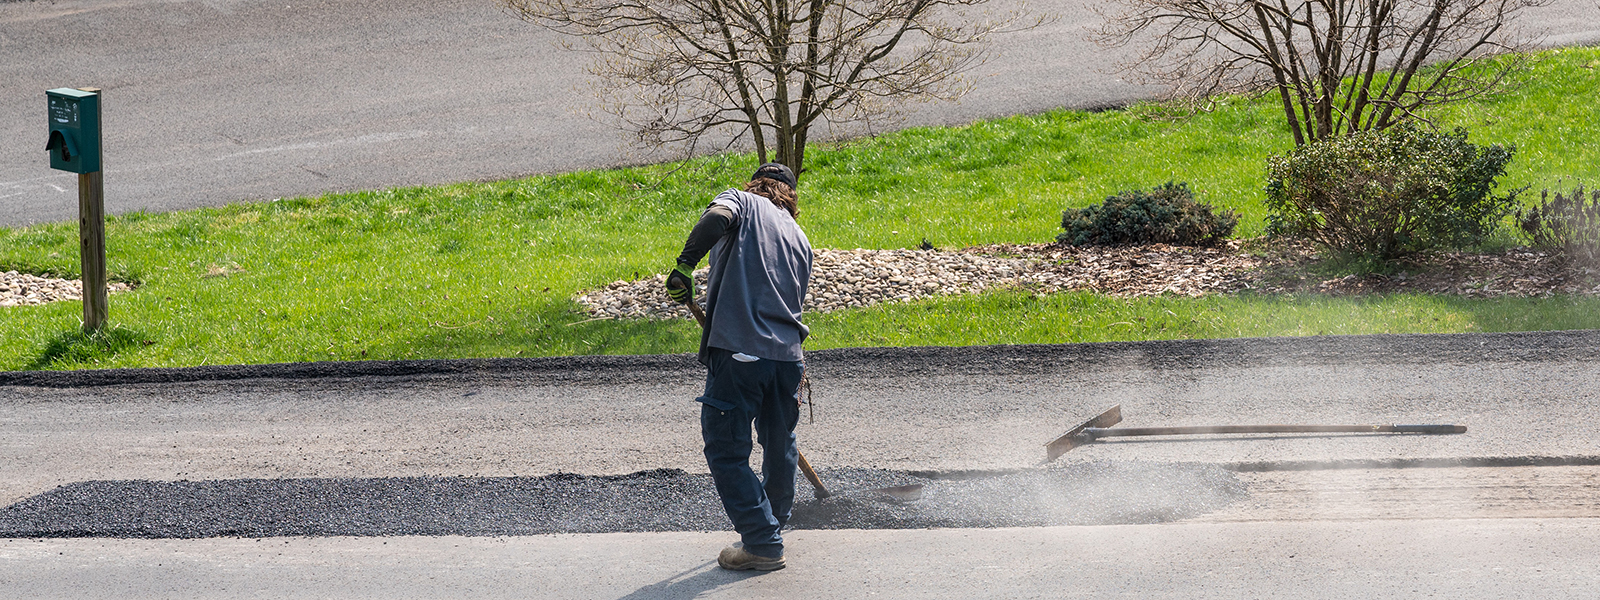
(699, 315)
(811, 474)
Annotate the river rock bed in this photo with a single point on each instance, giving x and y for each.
(659, 500)
(23, 289)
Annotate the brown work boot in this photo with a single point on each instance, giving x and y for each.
(735, 558)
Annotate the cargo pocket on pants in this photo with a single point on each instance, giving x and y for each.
(717, 421)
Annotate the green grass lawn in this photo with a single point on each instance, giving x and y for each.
(489, 269)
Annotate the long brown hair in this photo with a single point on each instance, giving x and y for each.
(778, 192)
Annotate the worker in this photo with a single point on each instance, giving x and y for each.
(750, 344)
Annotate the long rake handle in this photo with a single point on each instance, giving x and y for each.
(1098, 432)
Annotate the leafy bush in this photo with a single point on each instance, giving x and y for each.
(1570, 224)
(1389, 192)
(1167, 214)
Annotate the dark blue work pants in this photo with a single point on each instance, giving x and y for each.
(764, 393)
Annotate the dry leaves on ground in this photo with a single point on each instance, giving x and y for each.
(856, 278)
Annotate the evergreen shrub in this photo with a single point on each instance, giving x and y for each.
(1167, 214)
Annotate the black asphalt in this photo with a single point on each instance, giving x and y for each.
(976, 361)
(657, 500)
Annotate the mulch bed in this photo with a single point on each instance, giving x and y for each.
(1252, 265)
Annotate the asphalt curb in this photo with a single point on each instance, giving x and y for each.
(916, 360)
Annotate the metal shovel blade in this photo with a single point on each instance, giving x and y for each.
(1071, 439)
(903, 493)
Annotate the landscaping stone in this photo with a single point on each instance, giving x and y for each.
(23, 289)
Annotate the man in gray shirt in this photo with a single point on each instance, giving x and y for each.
(760, 268)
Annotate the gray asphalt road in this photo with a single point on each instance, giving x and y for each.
(1546, 559)
(919, 409)
(1319, 516)
(214, 101)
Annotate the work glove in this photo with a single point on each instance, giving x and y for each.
(680, 283)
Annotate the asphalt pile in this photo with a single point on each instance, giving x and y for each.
(658, 500)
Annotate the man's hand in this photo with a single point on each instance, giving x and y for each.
(680, 283)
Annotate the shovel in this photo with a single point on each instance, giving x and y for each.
(904, 493)
(1100, 427)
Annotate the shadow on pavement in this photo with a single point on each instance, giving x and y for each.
(692, 583)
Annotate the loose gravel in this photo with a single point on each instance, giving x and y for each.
(23, 289)
(1092, 493)
(658, 500)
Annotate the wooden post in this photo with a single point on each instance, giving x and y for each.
(92, 248)
(92, 242)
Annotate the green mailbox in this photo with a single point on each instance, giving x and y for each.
(74, 130)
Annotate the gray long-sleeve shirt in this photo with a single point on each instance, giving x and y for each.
(760, 271)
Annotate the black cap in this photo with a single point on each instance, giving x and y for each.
(776, 172)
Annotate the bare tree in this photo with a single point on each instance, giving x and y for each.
(1339, 66)
(677, 70)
